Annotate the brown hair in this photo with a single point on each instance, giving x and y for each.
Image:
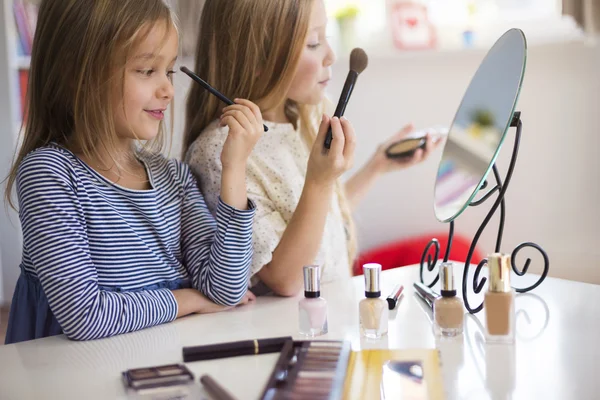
(79, 51)
(250, 49)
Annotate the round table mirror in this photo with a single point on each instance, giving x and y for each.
(480, 125)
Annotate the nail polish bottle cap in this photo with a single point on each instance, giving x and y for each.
(499, 266)
(312, 282)
(447, 280)
(371, 272)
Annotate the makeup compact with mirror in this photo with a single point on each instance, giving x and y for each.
(407, 147)
(473, 142)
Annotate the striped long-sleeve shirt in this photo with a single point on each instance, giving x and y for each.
(96, 246)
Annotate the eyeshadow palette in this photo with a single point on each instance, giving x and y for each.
(164, 381)
(313, 370)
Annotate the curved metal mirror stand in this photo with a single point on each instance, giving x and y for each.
(430, 261)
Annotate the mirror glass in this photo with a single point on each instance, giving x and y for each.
(480, 125)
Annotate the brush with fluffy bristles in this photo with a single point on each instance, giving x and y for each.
(358, 63)
(358, 60)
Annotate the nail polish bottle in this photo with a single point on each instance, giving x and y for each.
(312, 308)
(448, 312)
(373, 310)
(499, 301)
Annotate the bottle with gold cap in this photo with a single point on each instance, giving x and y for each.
(448, 310)
(373, 310)
(499, 301)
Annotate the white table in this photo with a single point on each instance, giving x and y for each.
(557, 349)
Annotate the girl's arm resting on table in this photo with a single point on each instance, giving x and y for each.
(300, 242)
(55, 235)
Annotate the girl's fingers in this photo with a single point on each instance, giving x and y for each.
(232, 123)
(339, 141)
(325, 121)
(249, 115)
(242, 120)
(253, 107)
(349, 137)
(406, 129)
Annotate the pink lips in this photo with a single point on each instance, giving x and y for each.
(158, 114)
(324, 83)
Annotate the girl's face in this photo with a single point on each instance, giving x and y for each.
(148, 87)
(314, 66)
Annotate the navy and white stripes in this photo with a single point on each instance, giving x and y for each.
(106, 255)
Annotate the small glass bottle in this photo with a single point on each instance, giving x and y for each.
(499, 301)
(373, 310)
(312, 308)
(448, 310)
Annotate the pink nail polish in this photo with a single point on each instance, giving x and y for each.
(312, 308)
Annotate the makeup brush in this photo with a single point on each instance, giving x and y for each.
(211, 89)
(358, 63)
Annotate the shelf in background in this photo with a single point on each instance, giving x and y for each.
(379, 45)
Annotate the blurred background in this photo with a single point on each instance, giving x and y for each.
(422, 56)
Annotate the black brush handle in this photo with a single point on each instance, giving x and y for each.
(211, 89)
(234, 349)
(342, 103)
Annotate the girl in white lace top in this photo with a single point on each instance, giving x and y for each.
(275, 53)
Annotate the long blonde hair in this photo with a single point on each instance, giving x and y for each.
(250, 49)
(79, 52)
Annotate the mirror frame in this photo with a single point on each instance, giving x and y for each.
(502, 138)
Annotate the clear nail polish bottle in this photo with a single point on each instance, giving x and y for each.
(373, 310)
(312, 308)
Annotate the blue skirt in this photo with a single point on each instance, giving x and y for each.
(30, 315)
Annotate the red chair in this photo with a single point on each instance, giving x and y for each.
(409, 251)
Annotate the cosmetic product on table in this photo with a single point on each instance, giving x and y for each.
(162, 381)
(327, 369)
(373, 310)
(425, 293)
(499, 301)
(210, 89)
(215, 389)
(358, 63)
(448, 309)
(233, 349)
(394, 297)
(309, 369)
(312, 309)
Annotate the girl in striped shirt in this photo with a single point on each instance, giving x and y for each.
(117, 238)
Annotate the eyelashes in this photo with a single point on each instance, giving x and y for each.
(150, 72)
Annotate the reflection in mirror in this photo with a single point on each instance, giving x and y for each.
(480, 126)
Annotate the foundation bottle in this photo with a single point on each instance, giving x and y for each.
(448, 310)
(499, 301)
(373, 310)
